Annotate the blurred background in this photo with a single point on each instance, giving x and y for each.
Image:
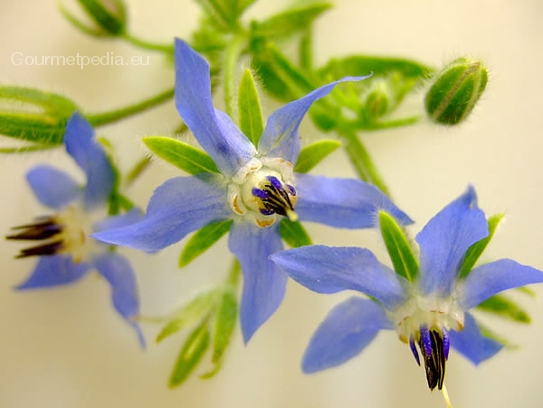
(67, 348)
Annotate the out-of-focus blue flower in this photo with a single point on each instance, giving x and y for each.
(256, 185)
(431, 312)
(66, 252)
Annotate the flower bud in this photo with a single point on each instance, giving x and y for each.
(33, 115)
(455, 91)
(378, 100)
(108, 17)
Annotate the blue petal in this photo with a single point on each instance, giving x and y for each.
(214, 130)
(486, 280)
(280, 137)
(332, 269)
(55, 270)
(444, 241)
(117, 221)
(472, 344)
(118, 272)
(52, 187)
(179, 206)
(344, 333)
(342, 203)
(263, 283)
(91, 157)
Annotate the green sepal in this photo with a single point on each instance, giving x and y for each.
(398, 247)
(34, 116)
(313, 154)
(506, 308)
(290, 21)
(180, 154)
(195, 311)
(250, 114)
(190, 355)
(294, 233)
(474, 252)
(359, 65)
(202, 240)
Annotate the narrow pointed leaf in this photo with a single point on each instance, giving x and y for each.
(183, 156)
(190, 355)
(400, 252)
(313, 154)
(226, 317)
(202, 240)
(290, 21)
(475, 251)
(506, 308)
(294, 233)
(363, 64)
(190, 314)
(250, 114)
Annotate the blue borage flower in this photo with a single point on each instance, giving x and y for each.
(66, 253)
(431, 312)
(255, 186)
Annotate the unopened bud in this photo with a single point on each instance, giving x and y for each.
(455, 91)
(108, 17)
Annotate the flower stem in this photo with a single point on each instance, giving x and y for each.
(361, 160)
(233, 53)
(146, 45)
(411, 120)
(138, 168)
(105, 118)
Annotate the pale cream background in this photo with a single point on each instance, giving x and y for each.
(67, 349)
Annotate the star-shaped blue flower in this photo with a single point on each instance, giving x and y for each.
(66, 252)
(432, 311)
(256, 186)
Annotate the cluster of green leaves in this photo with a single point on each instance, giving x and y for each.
(404, 260)
(212, 316)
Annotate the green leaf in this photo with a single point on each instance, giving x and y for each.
(280, 77)
(202, 240)
(183, 156)
(400, 252)
(486, 332)
(294, 233)
(226, 317)
(225, 13)
(190, 355)
(250, 114)
(190, 314)
(358, 65)
(290, 21)
(474, 252)
(506, 308)
(313, 154)
(34, 115)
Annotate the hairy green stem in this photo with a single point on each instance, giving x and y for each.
(105, 118)
(361, 160)
(147, 45)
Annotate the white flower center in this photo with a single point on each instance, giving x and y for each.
(76, 227)
(431, 312)
(262, 190)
